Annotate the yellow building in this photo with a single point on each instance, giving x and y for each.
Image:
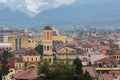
(47, 44)
(22, 42)
(117, 55)
(31, 58)
(59, 38)
(66, 54)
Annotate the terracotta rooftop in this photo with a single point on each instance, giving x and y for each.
(32, 53)
(106, 59)
(100, 47)
(117, 52)
(47, 28)
(12, 60)
(86, 46)
(28, 74)
(91, 70)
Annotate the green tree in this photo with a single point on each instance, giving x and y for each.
(6, 54)
(87, 76)
(5, 68)
(43, 69)
(57, 71)
(78, 66)
(61, 71)
(39, 49)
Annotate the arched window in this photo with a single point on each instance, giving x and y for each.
(32, 59)
(66, 50)
(47, 48)
(49, 59)
(36, 59)
(45, 59)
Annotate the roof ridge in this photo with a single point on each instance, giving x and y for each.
(25, 74)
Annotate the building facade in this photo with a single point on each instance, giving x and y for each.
(47, 44)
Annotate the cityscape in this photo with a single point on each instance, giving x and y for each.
(59, 40)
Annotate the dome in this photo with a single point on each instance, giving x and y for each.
(47, 28)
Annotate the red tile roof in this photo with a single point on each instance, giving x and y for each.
(117, 52)
(47, 28)
(91, 70)
(32, 53)
(26, 74)
(86, 46)
(100, 47)
(12, 60)
(106, 59)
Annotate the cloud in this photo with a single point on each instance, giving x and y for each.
(2, 1)
(58, 3)
(33, 7)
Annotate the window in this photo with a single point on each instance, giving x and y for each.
(66, 50)
(29, 41)
(36, 59)
(49, 59)
(117, 57)
(31, 59)
(19, 65)
(20, 55)
(11, 70)
(45, 59)
(114, 56)
(47, 48)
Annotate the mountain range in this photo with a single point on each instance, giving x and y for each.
(102, 13)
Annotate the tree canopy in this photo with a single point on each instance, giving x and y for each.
(5, 68)
(61, 71)
(39, 49)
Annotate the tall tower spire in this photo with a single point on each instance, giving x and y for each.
(47, 44)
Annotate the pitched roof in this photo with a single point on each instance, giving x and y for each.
(86, 46)
(31, 53)
(12, 60)
(97, 57)
(20, 51)
(117, 52)
(47, 28)
(106, 59)
(26, 74)
(91, 70)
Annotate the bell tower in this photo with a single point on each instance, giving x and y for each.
(47, 44)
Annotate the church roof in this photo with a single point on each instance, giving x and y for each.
(31, 53)
(26, 74)
(47, 28)
(11, 61)
(20, 51)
